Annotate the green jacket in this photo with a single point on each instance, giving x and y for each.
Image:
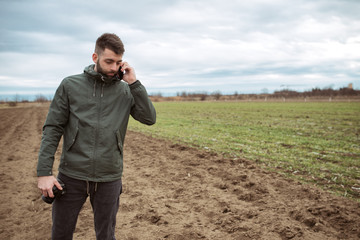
(92, 113)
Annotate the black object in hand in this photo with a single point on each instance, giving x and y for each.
(120, 73)
(57, 193)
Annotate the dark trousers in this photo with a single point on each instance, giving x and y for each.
(104, 198)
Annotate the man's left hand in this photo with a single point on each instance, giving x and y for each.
(129, 75)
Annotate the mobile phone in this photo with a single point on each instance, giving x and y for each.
(120, 73)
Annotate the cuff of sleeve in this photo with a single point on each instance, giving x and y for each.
(42, 173)
(134, 84)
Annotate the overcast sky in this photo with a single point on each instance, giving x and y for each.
(186, 45)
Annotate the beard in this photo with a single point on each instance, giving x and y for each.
(102, 71)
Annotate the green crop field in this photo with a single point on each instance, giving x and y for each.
(312, 142)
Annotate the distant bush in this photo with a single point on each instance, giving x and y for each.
(40, 98)
(12, 104)
(217, 95)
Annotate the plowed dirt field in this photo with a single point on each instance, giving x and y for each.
(171, 191)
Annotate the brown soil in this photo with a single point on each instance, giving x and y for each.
(171, 191)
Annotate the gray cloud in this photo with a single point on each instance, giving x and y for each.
(185, 45)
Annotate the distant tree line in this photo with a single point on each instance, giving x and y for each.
(282, 94)
(317, 92)
(17, 99)
(200, 95)
(327, 92)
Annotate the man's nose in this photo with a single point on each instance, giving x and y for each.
(114, 67)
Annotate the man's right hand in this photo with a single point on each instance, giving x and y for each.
(46, 183)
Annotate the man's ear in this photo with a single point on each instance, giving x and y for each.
(95, 57)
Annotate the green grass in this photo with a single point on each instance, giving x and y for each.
(314, 142)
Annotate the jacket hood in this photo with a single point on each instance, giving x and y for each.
(98, 76)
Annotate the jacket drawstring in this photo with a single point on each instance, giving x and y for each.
(102, 87)
(94, 89)
(95, 186)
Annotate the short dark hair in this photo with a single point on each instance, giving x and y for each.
(110, 41)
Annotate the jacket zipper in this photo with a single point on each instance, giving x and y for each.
(97, 129)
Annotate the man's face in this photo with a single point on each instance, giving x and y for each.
(107, 62)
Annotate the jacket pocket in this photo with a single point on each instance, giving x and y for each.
(72, 134)
(119, 141)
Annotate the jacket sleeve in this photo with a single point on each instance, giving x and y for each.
(53, 129)
(142, 110)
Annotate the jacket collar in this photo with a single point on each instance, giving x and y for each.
(98, 76)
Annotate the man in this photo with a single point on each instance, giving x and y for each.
(91, 111)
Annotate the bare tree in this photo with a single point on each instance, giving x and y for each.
(40, 98)
(217, 95)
